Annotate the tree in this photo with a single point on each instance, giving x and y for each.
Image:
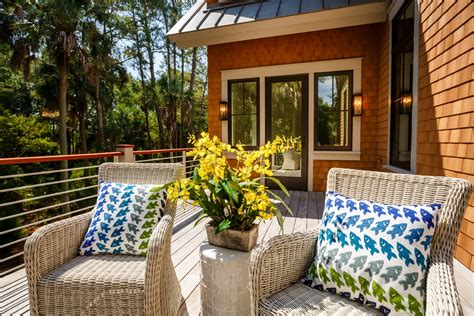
(80, 51)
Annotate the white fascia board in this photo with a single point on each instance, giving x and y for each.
(301, 23)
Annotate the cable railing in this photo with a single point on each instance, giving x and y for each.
(36, 191)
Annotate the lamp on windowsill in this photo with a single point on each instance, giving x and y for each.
(223, 111)
(357, 104)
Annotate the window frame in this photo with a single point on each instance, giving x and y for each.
(317, 147)
(397, 49)
(230, 115)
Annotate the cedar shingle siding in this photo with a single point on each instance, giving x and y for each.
(445, 137)
(445, 143)
(359, 41)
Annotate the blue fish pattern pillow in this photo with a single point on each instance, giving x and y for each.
(124, 218)
(375, 254)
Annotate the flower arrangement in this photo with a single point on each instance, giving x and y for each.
(233, 197)
(291, 143)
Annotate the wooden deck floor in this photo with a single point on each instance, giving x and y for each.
(307, 210)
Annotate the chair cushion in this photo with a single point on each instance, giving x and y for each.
(299, 299)
(373, 253)
(101, 285)
(124, 218)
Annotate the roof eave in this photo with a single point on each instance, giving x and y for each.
(301, 23)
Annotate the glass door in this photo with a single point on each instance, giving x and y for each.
(286, 115)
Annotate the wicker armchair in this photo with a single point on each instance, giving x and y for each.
(277, 266)
(62, 283)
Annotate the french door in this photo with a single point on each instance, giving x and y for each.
(286, 114)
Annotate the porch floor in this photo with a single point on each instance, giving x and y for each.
(307, 208)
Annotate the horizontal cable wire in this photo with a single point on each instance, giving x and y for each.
(47, 195)
(159, 159)
(2, 274)
(13, 242)
(180, 158)
(39, 173)
(46, 183)
(43, 209)
(47, 207)
(11, 257)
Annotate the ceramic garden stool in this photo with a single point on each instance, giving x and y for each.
(225, 281)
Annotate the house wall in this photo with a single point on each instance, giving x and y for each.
(446, 102)
(445, 126)
(359, 41)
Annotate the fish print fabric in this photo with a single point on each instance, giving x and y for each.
(124, 218)
(375, 254)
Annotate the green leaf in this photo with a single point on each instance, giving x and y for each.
(233, 194)
(211, 207)
(158, 188)
(202, 216)
(282, 187)
(225, 224)
(196, 174)
(280, 219)
(282, 202)
(235, 185)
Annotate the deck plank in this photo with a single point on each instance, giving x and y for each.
(275, 228)
(301, 213)
(265, 226)
(290, 219)
(307, 210)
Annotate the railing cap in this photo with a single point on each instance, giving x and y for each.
(124, 146)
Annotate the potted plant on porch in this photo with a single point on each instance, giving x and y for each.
(291, 156)
(233, 196)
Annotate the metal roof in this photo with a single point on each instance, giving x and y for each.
(200, 17)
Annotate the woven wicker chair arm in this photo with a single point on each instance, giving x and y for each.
(54, 244)
(159, 250)
(442, 297)
(279, 262)
(51, 246)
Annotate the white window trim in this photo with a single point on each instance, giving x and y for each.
(392, 11)
(310, 68)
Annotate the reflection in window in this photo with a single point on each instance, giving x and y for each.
(286, 108)
(286, 121)
(243, 112)
(333, 124)
(402, 81)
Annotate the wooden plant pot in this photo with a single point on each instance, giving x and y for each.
(233, 238)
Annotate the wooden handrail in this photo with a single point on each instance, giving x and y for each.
(23, 160)
(160, 151)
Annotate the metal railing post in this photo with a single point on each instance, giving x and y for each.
(127, 151)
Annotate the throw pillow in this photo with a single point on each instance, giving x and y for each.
(124, 218)
(373, 253)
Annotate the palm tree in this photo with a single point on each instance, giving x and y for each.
(50, 26)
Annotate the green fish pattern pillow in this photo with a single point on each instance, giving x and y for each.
(124, 218)
(375, 254)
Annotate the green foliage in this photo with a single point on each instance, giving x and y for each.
(108, 55)
(25, 135)
(111, 87)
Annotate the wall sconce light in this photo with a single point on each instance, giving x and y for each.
(223, 111)
(357, 104)
(406, 102)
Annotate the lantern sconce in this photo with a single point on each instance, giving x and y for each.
(406, 102)
(223, 111)
(357, 104)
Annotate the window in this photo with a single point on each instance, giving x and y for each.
(402, 87)
(243, 110)
(333, 98)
